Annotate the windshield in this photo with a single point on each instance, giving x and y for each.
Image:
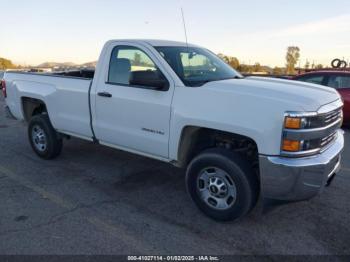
(196, 66)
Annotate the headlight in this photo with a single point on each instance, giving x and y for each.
(293, 122)
(308, 133)
(296, 140)
(300, 145)
(297, 120)
(291, 145)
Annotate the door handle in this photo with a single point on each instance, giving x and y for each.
(104, 94)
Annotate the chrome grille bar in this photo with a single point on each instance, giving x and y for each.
(328, 139)
(332, 116)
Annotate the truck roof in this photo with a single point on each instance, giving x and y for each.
(155, 42)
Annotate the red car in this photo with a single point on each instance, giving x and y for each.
(340, 80)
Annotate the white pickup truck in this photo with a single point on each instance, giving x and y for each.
(238, 138)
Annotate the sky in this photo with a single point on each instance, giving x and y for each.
(37, 31)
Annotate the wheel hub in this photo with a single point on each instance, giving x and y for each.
(216, 188)
(39, 138)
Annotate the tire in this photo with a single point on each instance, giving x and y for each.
(222, 184)
(43, 138)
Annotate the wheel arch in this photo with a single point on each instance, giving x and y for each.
(32, 106)
(194, 139)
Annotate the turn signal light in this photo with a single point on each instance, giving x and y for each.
(291, 145)
(292, 122)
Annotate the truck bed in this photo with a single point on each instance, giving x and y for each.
(84, 73)
(66, 96)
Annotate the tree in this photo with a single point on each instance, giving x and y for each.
(292, 57)
(6, 64)
(307, 64)
(137, 59)
(232, 61)
(223, 57)
(257, 67)
(278, 71)
(245, 68)
(319, 66)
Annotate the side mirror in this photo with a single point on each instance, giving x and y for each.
(150, 79)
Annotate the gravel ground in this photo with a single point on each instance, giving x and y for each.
(97, 200)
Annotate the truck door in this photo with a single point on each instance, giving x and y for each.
(133, 101)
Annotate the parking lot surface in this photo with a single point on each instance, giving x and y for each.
(97, 200)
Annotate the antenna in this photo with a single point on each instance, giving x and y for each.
(185, 30)
(184, 24)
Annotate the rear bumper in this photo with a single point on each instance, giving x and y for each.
(300, 178)
(8, 113)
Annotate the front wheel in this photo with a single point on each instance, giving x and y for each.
(43, 138)
(222, 184)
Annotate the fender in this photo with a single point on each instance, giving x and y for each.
(30, 89)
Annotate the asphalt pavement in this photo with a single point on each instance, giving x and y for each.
(97, 200)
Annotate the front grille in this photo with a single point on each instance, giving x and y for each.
(332, 116)
(321, 143)
(330, 119)
(328, 140)
(324, 119)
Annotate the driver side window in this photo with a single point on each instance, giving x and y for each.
(133, 67)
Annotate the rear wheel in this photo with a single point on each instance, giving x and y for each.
(45, 141)
(222, 184)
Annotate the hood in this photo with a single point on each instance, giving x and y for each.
(306, 96)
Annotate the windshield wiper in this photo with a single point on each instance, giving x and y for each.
(234, 77)
(203, 82)
(220, 79)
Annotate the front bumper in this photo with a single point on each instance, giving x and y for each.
(300, 178)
